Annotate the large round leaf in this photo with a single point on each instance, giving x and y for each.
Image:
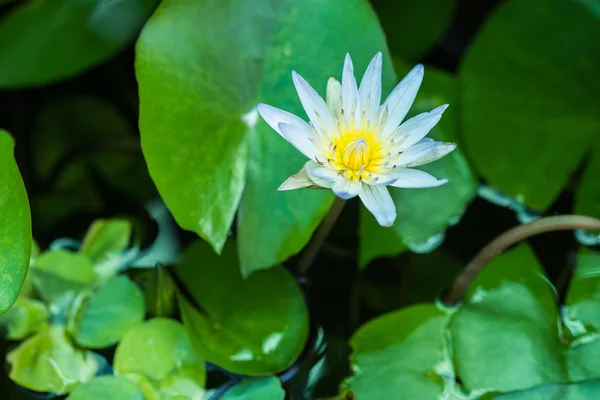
(15, 226)
(48, 362)
(110, 312)
(424, 214)
(254, 326)
(158, 352)
(400, 355)
(508, 318)
(581, 391)
(202, 68)
(531, 96)
(49, 40)
(107, 387)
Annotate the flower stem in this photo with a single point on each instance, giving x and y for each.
(509, 238)
(319, 237)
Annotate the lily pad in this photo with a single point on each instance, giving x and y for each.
(48, 362)
(508, 318)
(580, 391)
(265, 388)
(107, 387)
(206, 147)
(15, 226)
(400, 355)
(56, 273)
(25, 317)
(252, 326)
(112, 310)
(106, 237)
(159, 352)
(519, 96)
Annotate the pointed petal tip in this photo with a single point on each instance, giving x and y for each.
(386, 220)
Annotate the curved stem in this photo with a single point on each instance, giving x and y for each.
(319, 238)
(509, 238)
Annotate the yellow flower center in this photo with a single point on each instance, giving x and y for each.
(357, 154)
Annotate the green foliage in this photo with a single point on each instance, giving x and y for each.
(266, 388)
(241, 326)
(521, 102)
(112, 310)
(51, 40)
(104, 387)
(211, 91)
(159, 356)
(49, 362)
(15, 232)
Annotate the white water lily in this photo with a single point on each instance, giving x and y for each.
(356, 146)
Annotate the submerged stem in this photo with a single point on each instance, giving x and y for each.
(509, 238)
(319, 237)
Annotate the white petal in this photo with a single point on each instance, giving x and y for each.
(370, 86)
(274, 116)
(401, 99)
(413, 178)
(418, 127)
(301, 138)
(313, 104)
(437, 153)
(415, 152)
(349, 91)
(321, 175)
(346, 188)
(334, 92)
(377, 199)
(297, 181)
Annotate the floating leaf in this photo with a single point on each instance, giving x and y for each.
(201, 134)
(15, 226)
(400, 355)
(252, 326)
(57, 273)
(105, 237)
(25, 317)
(51, 40)
(161, 291)
(265, 388)
(519, 96)
(579, 391)
(48, 362)
(160, 352)
(508, 317)
(117, 306)
(107, 387)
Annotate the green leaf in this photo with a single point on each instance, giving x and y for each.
(581, 318)
(508, 317)
(159, 351)
(15, 226)
(519, 96)
(413, 27)
(406, 350)
(25, 317)
(252, 326)
(424, 214)
(265, 388)
(116, 307)
(580, 391)
(52, 40)
(106, 237)
(107, 387)
(48, 362)
(587, 197)
(201, 134)
(58, 272)
(161, 291)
